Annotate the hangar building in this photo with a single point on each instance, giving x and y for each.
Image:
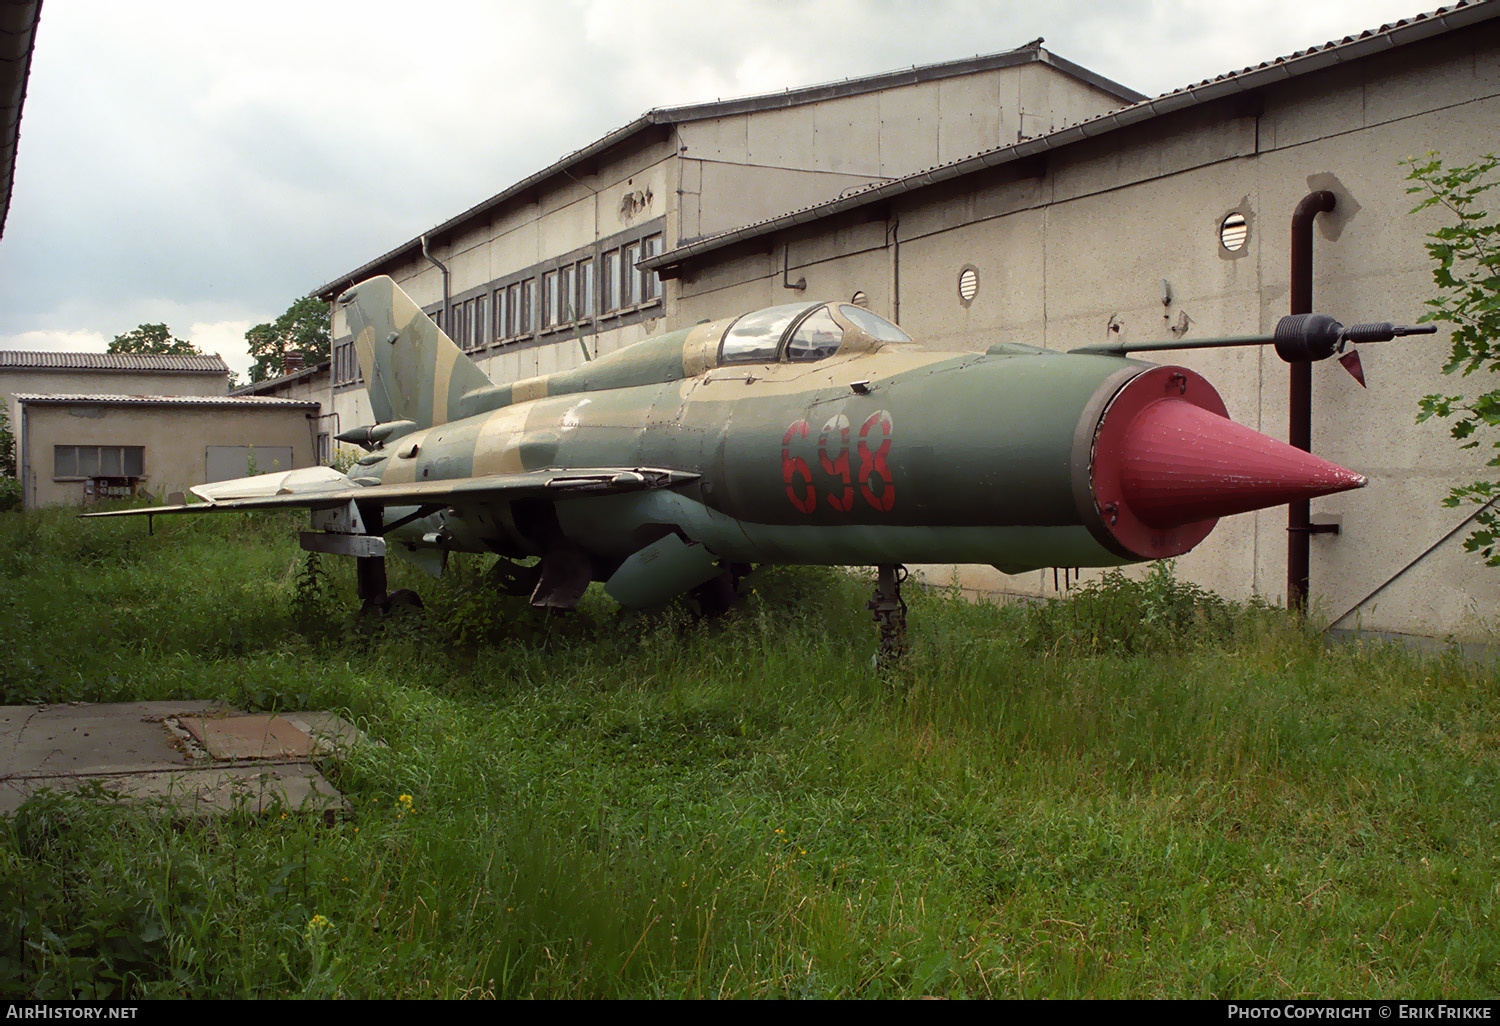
(1109, 216)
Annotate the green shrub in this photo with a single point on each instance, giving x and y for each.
(1124, 614)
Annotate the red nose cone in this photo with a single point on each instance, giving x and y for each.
(1182, 463)
(1167, 462)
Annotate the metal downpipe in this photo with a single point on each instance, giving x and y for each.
(447, 303)
(1299, 397)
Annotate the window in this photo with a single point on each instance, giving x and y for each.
(527, 323)
(457, 334)
(567, 300)
(325, 449)
(437, 318)
(549, 299)
(650, 283)
(74, 461)
(480, 323)
(513, 311)
(612, 280)
(342, 351)
(345, 363)
(586, 287)
(632, 281)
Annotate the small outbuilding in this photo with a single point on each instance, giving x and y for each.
(76, 448)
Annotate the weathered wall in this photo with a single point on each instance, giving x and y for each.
(175, 441)
(742, 168)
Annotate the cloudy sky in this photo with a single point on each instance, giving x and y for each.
(204, 164)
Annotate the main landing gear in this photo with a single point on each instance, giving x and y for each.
(889, 610)
(369, 575)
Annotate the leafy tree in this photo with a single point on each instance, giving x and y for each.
(152, 338)
(10, 488)
(303, 328)
(1466, 254)
(7, 442)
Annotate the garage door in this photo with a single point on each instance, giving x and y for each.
(226, 462)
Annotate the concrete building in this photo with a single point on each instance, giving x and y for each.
(1108, 216)
(45, 373)
(306, 384)
(531, 277)
(82, 448)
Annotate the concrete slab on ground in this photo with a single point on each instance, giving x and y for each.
(194, 757)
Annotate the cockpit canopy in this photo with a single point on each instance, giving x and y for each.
(802, 332)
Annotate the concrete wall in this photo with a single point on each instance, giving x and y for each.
(743, 168)
(1075, 252)
(175, 440)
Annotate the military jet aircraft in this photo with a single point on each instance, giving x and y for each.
(810, 433)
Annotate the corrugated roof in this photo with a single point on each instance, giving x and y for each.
(1393, 34)
(155, 363)
(1031, 52)
(270, 384)
(161, 400)
(18, 20)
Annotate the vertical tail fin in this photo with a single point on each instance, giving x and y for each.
(412, 370)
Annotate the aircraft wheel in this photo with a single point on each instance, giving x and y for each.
(394, 604)
(714, 597)
(403, 599)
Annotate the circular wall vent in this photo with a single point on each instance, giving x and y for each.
(968, 284)
(1234, 232)
(860, 299)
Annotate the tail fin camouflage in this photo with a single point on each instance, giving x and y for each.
(412, 370)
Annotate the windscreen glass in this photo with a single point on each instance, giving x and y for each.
(818, 335)
(754, 337)
(873, 325)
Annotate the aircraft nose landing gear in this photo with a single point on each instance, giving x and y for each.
(889, 610)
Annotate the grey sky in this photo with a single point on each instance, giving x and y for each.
(205, 164)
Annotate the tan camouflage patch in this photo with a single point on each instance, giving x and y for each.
(399, 470)
(497, 451)
(528, 389)
(700, 349)
(442, 374)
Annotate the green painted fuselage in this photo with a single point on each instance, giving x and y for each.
(882, 452)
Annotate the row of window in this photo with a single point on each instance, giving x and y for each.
(572, 292)
(567, 294)
(97, 460)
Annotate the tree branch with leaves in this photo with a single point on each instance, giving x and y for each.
(303, 329)
(1466, 271)
(153, 338)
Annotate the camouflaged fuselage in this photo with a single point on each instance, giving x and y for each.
(880, 453)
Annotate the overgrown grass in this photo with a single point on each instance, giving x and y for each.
(1141, 792)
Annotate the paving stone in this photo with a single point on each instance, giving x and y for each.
(254, 736)
(189, 758)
